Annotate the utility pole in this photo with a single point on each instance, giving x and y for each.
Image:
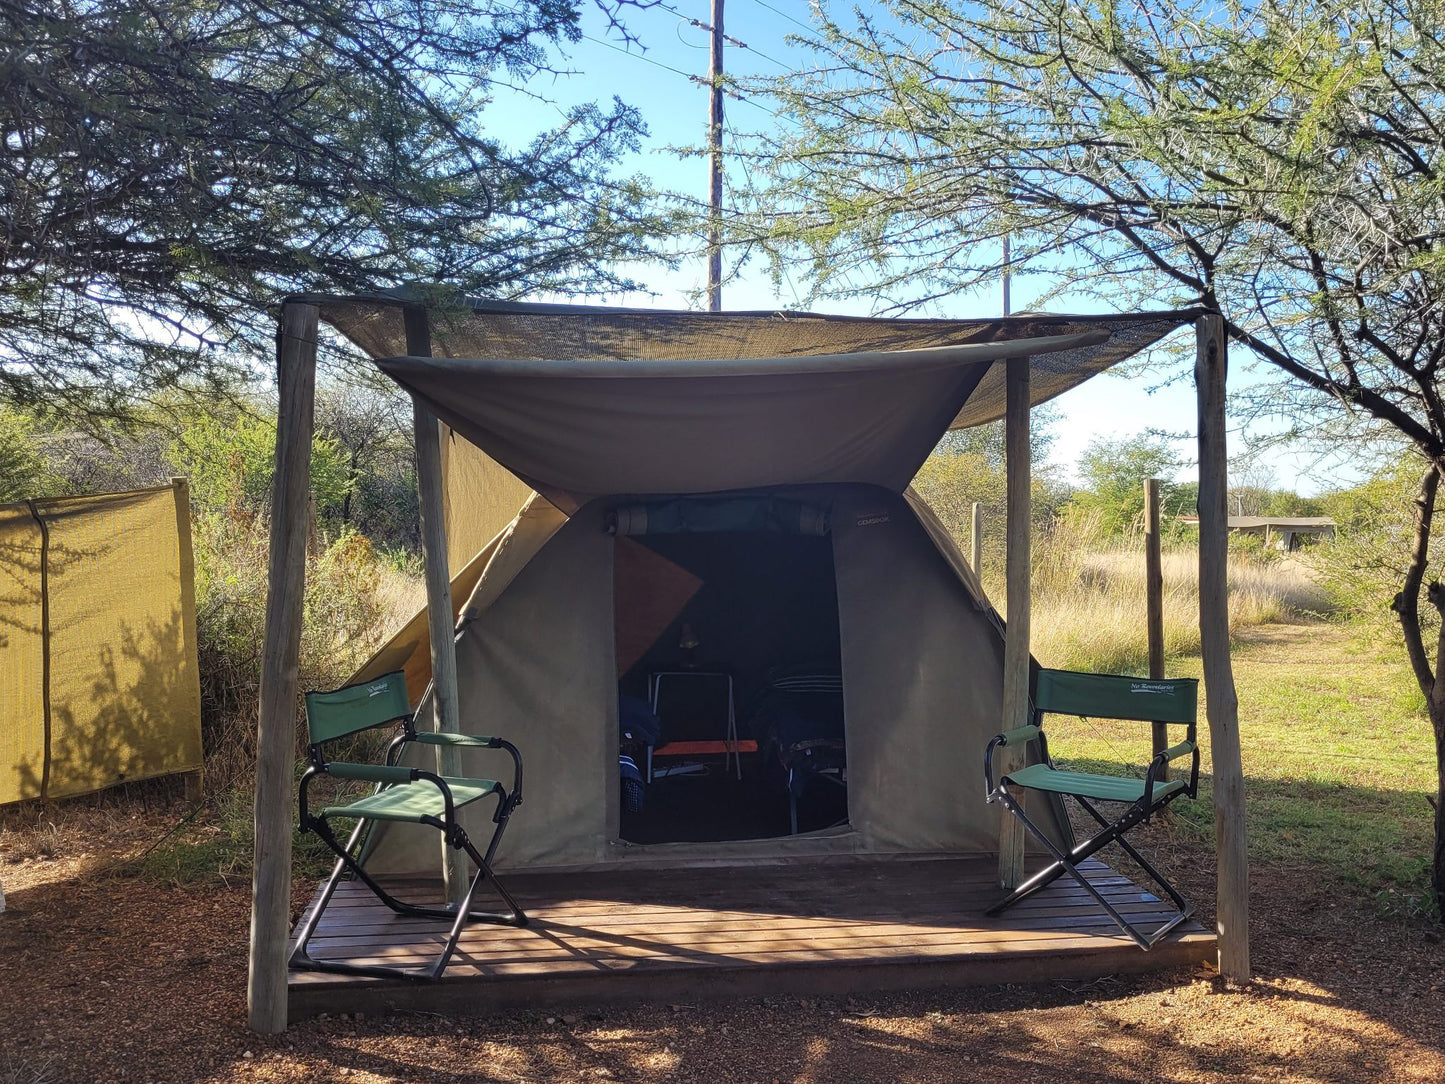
(1007, 273)
(714, 146)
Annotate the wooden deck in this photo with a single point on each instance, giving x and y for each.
(843, 925)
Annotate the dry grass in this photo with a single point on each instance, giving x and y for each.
(1089, 608)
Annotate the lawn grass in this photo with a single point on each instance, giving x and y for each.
(1338, 759)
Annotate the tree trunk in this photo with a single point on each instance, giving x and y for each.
(1437, 866)
(1436, 703)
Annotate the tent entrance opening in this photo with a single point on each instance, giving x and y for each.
(731, 695)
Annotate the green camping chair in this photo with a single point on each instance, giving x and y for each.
(1102, 696)
(411, 795)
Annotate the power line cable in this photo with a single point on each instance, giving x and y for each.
(784, 14)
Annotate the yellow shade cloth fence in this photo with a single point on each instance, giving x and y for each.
(99, 682)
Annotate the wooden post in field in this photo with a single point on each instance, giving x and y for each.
(976, 540)
(1154, 601)
(1016, 641)
(440, 622)
(276, 725)
(1232, 905)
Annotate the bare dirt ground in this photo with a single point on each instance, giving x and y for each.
(109, 978)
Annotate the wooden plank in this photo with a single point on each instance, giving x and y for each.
(276, 723)
(1018, 529)
(743, 927)
(1222, 705)
(440, 624)
(1154, 603)
(619, 958)
(316, 992)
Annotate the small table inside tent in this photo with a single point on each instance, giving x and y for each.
(694, 707)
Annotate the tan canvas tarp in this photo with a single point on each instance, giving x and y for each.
(479, 498)
(470, 328)
(103, 588)
(604, 427)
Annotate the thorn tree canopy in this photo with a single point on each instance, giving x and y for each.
(1283, 162)
(172, 167)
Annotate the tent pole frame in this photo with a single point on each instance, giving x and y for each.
(1016, 571)
(441, 622)
(276, 722)
(1221, 701)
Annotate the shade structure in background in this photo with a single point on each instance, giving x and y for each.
(99, 682)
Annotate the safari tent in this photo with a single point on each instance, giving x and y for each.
(707, 493)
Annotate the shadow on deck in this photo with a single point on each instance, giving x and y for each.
(812, 928)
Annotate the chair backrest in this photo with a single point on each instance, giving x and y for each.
(356, 707)
(1110, 696)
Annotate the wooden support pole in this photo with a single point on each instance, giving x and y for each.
(976, 540)
(1232, 905)
(1154, 601)
(276, 725)
(1016, 571)
(195, 781)
(440, 621)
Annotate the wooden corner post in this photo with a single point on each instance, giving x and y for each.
(1016, 570)
(441, 624)
(276, 725)
(1232, 906)
(1154, 602)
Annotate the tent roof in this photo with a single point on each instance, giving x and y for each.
(583, 400)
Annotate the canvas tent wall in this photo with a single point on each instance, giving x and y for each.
(591, 406)
(99, 682)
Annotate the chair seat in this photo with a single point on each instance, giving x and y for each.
(1104, 788)
(414, 801)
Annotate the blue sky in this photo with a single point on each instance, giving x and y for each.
(654, 77)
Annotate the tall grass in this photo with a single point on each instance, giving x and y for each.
(1089, 608)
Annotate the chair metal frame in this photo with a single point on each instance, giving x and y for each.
(389, 775)
(1111, 831)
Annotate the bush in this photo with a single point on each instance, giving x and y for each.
(352, 604)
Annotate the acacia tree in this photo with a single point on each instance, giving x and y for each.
(171, 167)
(1279, 162)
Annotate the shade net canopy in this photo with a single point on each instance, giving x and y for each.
(579, 401)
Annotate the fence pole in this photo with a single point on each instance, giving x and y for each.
(1154, 600)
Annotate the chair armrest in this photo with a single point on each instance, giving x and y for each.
(430, 737)
(1184, 748)
(1020, 735)
(371, 773)
(474, 741)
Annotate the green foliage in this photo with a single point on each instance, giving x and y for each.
(230, 460)
(24, 472)
(1112, 475)
(968, 466)
(1364, 565)
(176, 166)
